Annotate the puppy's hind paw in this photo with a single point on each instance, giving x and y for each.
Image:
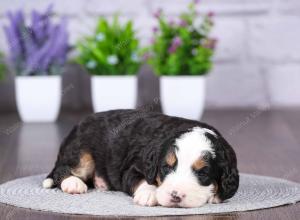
(48, 183)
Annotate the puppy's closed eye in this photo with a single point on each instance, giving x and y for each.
(203, 175)
(204, 171)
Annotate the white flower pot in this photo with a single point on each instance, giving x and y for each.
(38, 98)
(183, 96)
(113, 92)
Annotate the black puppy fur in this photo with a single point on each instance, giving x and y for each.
(128, 146)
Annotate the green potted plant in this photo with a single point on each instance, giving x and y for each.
(111, 56)
(181, 54)
(38, 52)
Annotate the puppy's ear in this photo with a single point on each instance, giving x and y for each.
(228, 182)
(150, 165)
(227, 176)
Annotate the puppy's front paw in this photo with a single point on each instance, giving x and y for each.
(145, 195)
(73, 185)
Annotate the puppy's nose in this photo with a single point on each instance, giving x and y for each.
(175, 197)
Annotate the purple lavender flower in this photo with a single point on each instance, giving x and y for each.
(39, 47)
(176, 42)
(196, 1)
(158, 13)
(13, 32)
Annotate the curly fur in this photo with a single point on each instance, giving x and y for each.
(129, 146)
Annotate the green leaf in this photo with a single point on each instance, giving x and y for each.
(116, 40)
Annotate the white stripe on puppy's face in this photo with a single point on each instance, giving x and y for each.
(181, 186)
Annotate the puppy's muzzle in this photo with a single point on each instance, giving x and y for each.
(176, 197)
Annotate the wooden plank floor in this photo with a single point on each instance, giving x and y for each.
(266, 142)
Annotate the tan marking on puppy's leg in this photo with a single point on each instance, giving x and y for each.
(99, 183)
(86, 167)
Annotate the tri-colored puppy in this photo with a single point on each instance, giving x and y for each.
(158, 159)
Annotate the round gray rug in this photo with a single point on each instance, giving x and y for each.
(255, 192)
